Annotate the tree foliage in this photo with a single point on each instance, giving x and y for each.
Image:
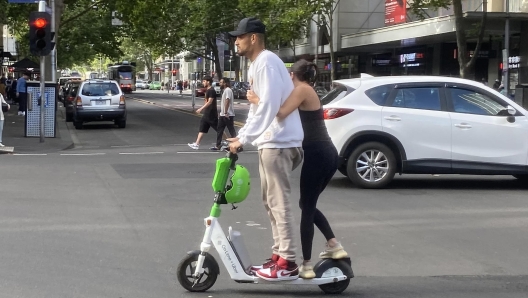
(84, 30)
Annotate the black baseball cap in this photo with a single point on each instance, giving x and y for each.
(249, 25)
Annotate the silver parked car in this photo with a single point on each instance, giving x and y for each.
(99, 100)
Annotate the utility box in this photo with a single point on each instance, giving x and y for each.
(32, 127)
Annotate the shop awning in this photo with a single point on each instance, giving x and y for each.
(433, 30)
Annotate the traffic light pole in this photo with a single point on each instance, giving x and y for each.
(42, 8)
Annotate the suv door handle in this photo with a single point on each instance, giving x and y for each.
(393, 118)
(463, 125)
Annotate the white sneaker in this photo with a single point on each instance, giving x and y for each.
(19, 113)
(2, 145)
(336, 252)
(194, 146)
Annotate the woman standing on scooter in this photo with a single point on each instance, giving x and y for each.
(320, 162)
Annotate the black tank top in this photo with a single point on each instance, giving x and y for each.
(313, 126)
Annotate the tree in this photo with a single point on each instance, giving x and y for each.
(466, 63)
(324, 19)
(82, 26)
(139, 52)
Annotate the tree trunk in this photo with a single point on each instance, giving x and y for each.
(293, 49)
(332, 58)
(466, 66)
(215, 58)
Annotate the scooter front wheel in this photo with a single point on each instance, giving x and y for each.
(186, 270)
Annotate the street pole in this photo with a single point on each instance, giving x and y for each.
(172, 72)
(54, 50)
(506, 52)
(42, 8)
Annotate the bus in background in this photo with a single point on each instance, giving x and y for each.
(125, 75)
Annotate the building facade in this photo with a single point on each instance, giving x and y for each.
(367, 38)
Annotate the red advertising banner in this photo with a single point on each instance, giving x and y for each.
(395, 12)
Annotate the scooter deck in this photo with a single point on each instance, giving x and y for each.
(298, 281)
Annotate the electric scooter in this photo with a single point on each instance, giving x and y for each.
(198, 271)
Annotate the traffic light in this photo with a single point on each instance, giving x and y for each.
(174, 72)
(40, 33)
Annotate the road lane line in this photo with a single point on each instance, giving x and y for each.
(81, 154)
(139, 153)
(128, 146)
(209, 152)
(30, 154)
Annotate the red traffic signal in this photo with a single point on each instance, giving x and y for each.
(40, 23)
(174, 71)
(40, 33)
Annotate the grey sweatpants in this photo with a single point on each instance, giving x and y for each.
(275, 167)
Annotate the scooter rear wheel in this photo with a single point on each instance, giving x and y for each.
(185, 275)
(329, 268)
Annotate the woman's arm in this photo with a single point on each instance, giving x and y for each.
(292, 102)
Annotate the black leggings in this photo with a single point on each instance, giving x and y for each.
(320, 165)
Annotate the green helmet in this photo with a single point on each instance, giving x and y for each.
(240, 185)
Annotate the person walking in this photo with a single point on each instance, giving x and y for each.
(227, 114)
(21, 88)
(279, 145)
(180, 87)
(2, 118)
(320, 163)
(210, 113)
(13, 92)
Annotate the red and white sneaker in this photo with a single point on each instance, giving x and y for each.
(269, 263)
(282, 270)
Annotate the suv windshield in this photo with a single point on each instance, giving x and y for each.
(100, 89)
(335, 94)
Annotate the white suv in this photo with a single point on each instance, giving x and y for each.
(424, 125)
(99, 100)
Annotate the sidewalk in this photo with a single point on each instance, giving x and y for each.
(13, 135)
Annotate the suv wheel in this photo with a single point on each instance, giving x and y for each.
(371, 165)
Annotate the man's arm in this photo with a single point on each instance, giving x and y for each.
(229, 98)
(269, 105)
(208, 102)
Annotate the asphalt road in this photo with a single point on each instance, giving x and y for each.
(114, 216)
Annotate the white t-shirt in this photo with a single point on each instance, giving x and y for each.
(227, 95)
(272, 83)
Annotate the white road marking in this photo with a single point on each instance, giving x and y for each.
(128, 146)
(30, 154)
(139, 153)
(194, 152)
(81, 154)
(209, 152)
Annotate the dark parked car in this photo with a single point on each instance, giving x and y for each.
(69, 100)
(240, 89)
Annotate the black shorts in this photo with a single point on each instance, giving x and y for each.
(205, 124)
